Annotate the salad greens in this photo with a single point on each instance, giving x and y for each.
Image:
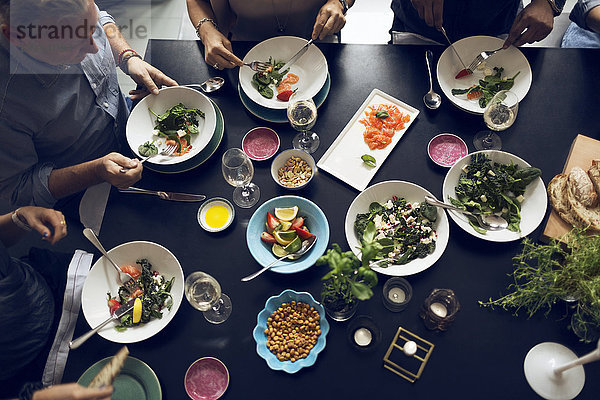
(263, 79)
(369, 160)
(154, 292)
(178, 123)
(486, 187)
(403, 230)
(488, 87)
(148, 149)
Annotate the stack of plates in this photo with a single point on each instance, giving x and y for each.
(141, 122)
(311, 68)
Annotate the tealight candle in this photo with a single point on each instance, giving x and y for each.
(397, 292)
(363, 336)
(410, 348)
(439, 309)
(396, 295)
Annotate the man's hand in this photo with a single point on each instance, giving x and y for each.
(72, 391)
(330, 20)
(534, 23)
(431, 11)
(48, 222)
(108, 168)
(150, 77)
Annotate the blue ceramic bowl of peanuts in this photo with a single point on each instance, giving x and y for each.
(297, 312)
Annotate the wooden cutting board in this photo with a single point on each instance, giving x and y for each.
(583, 150)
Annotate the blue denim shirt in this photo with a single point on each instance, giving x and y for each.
(581, 10)
(55, 117)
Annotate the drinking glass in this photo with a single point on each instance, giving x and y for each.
(204, 294)
(499, 115)
(238, 171)
(302, 114)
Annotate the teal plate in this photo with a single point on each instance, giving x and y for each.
(199, 158)
(280, 116)
(136, 380)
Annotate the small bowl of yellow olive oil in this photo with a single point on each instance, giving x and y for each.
(216, 214)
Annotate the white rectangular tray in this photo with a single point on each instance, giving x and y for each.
(343, 158)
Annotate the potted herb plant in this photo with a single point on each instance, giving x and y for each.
(349, 279)
(547, 274)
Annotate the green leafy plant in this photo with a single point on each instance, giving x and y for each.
(489, 86)
(547, 274)
(349, 279)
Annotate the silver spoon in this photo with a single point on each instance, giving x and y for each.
(306, 246)
(431, 99)
(209, 85)
(91, 236)
(491, 222)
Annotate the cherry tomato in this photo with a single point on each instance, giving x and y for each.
(285, 95)
(267, 237)
(113, 304)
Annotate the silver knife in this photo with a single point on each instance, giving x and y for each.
(119, 312)
(166, 195)
(296, 56)
(452, 47)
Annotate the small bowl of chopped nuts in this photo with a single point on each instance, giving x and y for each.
(293, 169)
(303, 318)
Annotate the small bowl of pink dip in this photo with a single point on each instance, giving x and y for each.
(206, 379)
(446, 149)
(260, 143)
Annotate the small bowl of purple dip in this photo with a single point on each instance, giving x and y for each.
(446, 149)
(260, 143)
(206, 379)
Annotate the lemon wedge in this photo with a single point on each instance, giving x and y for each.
(285, 225)
(137, 310)
(286, 214)
(284, 237)
(294, 245)
(278, 250)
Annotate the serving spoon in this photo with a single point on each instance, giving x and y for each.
(209, 85)
(431, 99)
(306, 246)
(491, 222)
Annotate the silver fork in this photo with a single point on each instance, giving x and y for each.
(169, 150)
(484, 55)
(258, 66)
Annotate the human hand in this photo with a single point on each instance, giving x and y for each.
(72, 391)
(218, 52)
(431, 11)
(48, 222)
(149, 77)
(118, 170)
(330, 20)
(534, 23)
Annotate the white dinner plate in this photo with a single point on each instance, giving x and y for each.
(141, 122)
(311, 68)
(343, 158)
(511, 59)
(533, 208)
(381, 193)
(102, 279)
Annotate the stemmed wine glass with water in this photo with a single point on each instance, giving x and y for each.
(302, 114)
(204, 294)
(499, 115)
(238, 172)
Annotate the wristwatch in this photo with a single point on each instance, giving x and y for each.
(344, 6)
(557, 6)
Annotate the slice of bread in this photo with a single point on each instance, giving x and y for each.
(594, 174)
(557, 192)
(586, 217)
(581, 187)
(109, 372)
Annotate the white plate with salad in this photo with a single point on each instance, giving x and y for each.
(141, 125)
(511, 60)
(102, 279)
(472, 171)
(399, 208)
(311, 69)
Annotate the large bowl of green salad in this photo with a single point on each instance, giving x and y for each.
(412, 233)
(494, 181)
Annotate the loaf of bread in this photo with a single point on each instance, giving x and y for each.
(109, 372)
(581, 187)
(557, 192)
(594, 174)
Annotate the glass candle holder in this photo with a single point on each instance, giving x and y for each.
(363, 333)
(397, 292)
(439, 309)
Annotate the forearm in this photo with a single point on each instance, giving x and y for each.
(198, 10)
(66, 181)
(10, 233)
(116, 39)
(593, 19)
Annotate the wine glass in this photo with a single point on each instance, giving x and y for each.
(554, 372)
(238, 171)
(302, 114)
(204, 294)
(499, 115)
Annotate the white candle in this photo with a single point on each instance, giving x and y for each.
(363, 336)
(397, 295)
(410, 348)
(439, 309)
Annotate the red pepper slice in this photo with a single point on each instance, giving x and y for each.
(462, 73)
(285, 95)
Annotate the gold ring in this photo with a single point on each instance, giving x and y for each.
(216, 66)
(63, 222)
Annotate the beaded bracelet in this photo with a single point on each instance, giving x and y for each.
(203, 20)
(127, 57)
(26, 393)
(19, 222)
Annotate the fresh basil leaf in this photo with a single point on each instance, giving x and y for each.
(382, 114)
(369, 160)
